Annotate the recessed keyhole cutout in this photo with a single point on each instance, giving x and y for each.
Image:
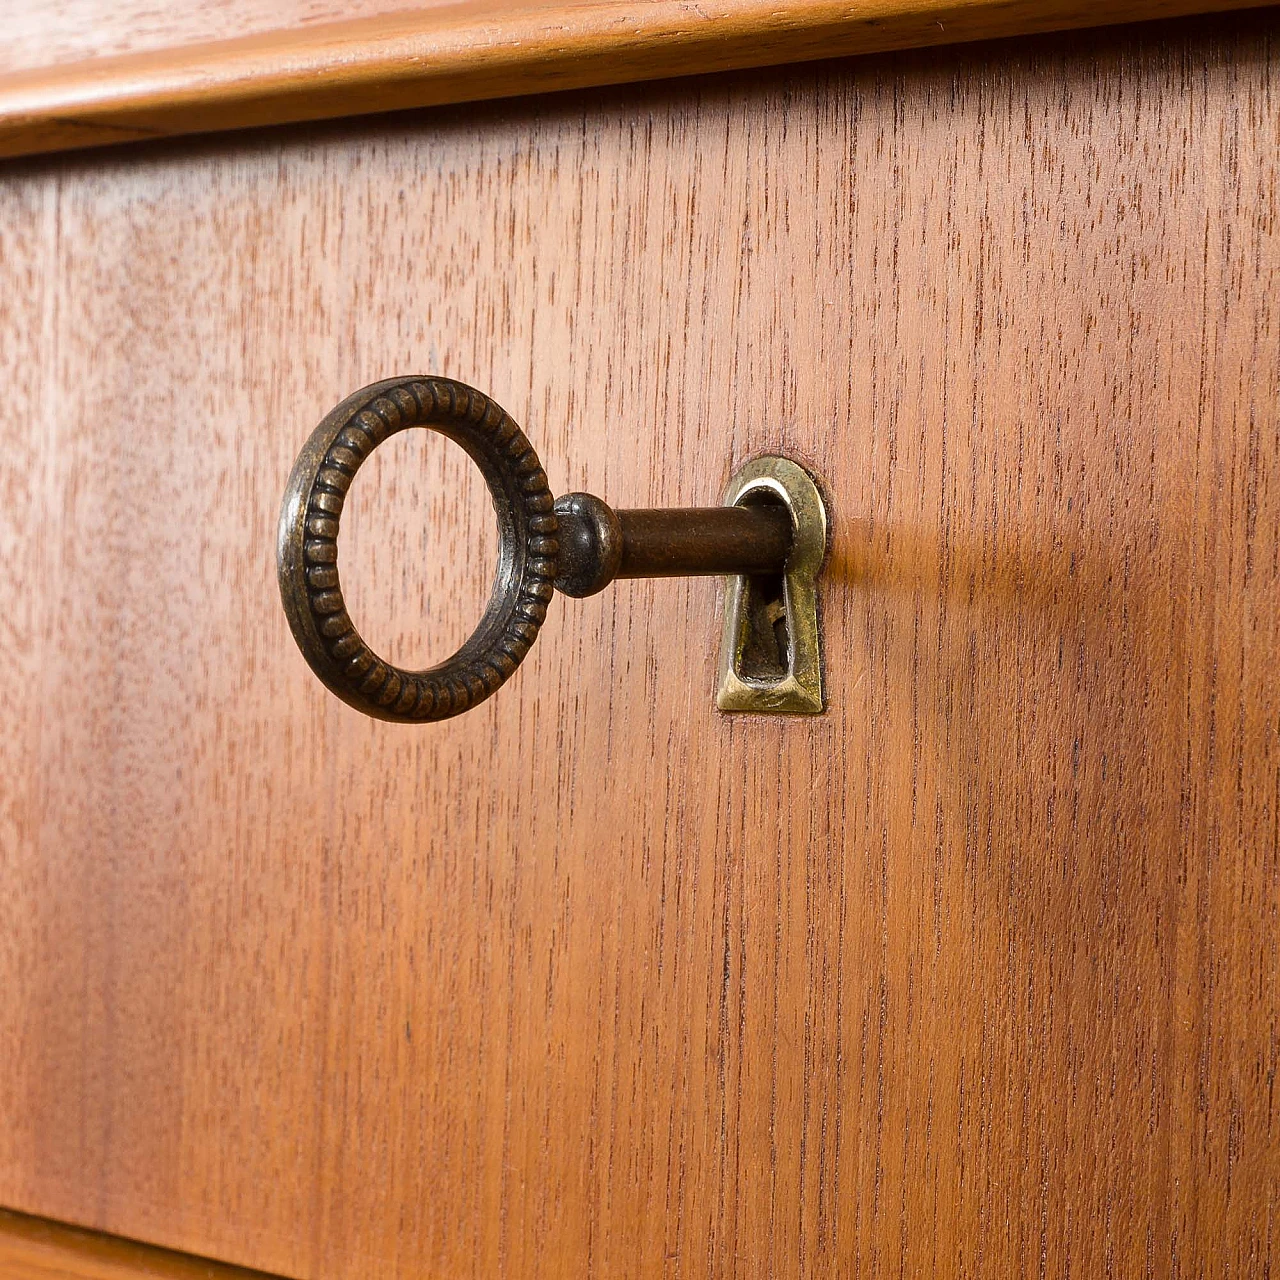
(766, 641)
(419, 548)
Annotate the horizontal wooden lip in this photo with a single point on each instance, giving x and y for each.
(485, 49)
(42, 1247)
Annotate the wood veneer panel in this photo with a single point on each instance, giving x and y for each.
(477, 49)
(974, 975)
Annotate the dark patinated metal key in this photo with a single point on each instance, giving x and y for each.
(577, 545)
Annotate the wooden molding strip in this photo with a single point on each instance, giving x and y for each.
(36, 1247)
(479, 49)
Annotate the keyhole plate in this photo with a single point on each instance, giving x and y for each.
(770, 649)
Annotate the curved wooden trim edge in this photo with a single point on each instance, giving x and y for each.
(32, 1246)
(479, 49)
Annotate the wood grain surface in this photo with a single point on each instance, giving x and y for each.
(35, 1249)
(293, 70)
(975, 975)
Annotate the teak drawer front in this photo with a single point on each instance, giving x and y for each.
(974, 975)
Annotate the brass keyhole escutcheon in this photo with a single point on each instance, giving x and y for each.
(770, 648)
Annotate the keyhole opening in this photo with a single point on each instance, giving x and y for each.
(766, 645)
(766, 640)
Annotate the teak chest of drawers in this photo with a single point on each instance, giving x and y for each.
(973, 974)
